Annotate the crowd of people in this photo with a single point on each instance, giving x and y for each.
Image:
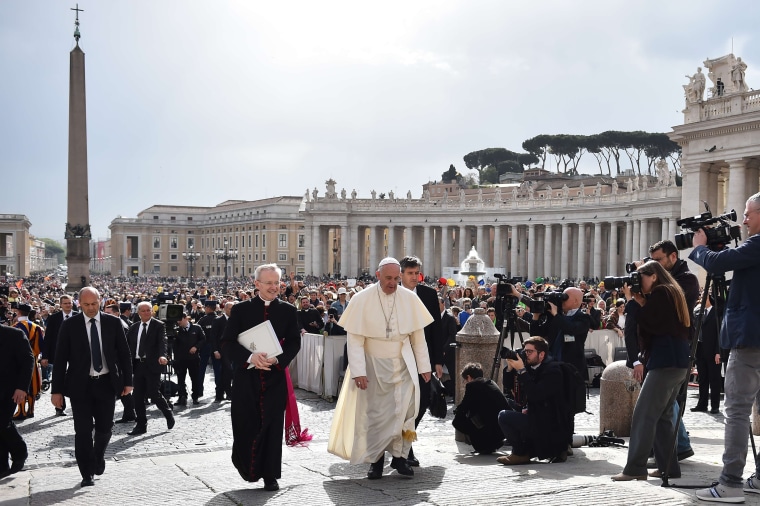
(399, 326)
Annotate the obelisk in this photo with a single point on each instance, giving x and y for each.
(78, 217)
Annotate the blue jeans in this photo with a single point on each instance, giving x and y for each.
(684, 443)
(516, 427)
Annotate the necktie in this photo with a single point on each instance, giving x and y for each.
(141, 346)
(66, 317)
(97, 360)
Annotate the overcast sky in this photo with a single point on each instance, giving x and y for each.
(197, 102)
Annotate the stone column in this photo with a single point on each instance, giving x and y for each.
(581, 250)
(612, 264)
(409, 245)
(564, 271)
(316, 250)
(737, 193)
(353, 240)
(597, 272)
(672, 228)
(373, 248)
(346, 266)
(427, 250)
(497, 255)
(664, 229)
(481, 244)
(513, 268)
(392, 241)
(636, 251)
(445, 247)
(644, 239)
(531, 251)
(464, 243)
(548, 257)
(629, 241)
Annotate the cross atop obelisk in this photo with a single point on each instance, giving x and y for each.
(76, 22)
(77, 233)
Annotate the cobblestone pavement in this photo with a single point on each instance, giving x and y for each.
(191, 465)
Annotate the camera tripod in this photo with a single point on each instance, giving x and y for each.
(509, 325)
(717, 284)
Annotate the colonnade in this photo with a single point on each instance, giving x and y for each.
(585, 249)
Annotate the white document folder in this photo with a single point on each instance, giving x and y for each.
(261, 338)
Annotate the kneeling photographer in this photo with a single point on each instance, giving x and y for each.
(477, 414)
(541, 428)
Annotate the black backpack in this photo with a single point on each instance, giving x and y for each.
(575, 388)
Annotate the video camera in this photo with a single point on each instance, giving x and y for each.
(718, 229)
(170, 314)
(504, 287)
(633, 280)
(541, 305)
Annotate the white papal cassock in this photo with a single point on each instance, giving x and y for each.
(386, 343)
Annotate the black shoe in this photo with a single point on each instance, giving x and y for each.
(182, 401)
(127, 419)
(139, 429)
(196, 401)
(698, 408)
(376, 469)
(686, 454)
(400, 465)
(169, 420)
(59, 412)
(219, 398)
(5, 473)
(18, 465)
(100, 467)
(87, 482)
(271, 485)
(412, 460)
(715, 411)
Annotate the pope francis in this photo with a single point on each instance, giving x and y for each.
(386, 351)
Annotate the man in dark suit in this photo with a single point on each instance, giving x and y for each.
(93, 368)
(449, 331)
(53, 326)
(708, 362)
(147, 344)
(410, 278)
(186, 349)
(224, 379)
(16, 367)
(260, 393)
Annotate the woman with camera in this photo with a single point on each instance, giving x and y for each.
(663, 331)
(616, 320)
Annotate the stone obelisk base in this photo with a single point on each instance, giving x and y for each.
(78, 262)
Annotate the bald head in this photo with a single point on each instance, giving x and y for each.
(574, 299)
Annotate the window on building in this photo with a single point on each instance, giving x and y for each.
(257, 240)
(174, 256)
(282, 240)
(301, 240)
(155, 217)
(263, 240)
(156, 268)
(133, 246)
(173, 242)
(173, 268)
(173, 218)
(282, 257)
(156, 256)
(301, 257)
(257, 257)
(190, 242)
(189, 218)
(263, 257)
(156, 242)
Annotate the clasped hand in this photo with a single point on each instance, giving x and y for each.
(261, 361)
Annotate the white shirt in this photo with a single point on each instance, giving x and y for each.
(139, 336)
(88, 326)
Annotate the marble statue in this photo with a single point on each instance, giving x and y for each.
(614, 186)
(374, 194)
(636, 183)
(390, 195)
(696, 88)
(315, 193)
(445, 195)
(514, 193)
(565, 191)
(548, 192)
(581, 190)
(330, 186)
(480, 194)
(629, 186)
(737, 75)
(598, 189)
(644, 183)
(307, 195)
(461, 195)
(426, 195)
(353, 194)
(663, 173)
(531, 189)
(498, 194)
(343, 194)
(409, 195)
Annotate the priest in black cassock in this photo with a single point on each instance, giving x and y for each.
(260, 394)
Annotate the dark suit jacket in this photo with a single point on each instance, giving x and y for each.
(433, 336)
(449, 329)
(250, 313)
(155, 343)
(554, 329)
(16, 362)
(73, 357)
(710, 335)
(52, 327)
(217, 330)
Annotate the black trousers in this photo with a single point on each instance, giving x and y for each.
(181, 368)
(710, 380)
(148, 384)
(11, 442)
(424, 400)
(93, 408)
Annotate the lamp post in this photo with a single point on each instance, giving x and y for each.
(226, 254)
(191, 256)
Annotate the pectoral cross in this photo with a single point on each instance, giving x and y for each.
(387, 332)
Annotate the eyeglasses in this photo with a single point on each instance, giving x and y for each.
(530, 352)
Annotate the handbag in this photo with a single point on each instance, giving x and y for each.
(438, 407)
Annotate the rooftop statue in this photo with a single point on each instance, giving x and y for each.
(696, 88)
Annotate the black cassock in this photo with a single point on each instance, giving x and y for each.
(259, 397)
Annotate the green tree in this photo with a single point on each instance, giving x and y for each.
(451, 175)
(54, 249)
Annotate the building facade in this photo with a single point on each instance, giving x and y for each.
(186, 241)
(14, 240)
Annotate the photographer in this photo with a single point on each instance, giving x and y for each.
(739, 333)
(477, 414)
(541, 429)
